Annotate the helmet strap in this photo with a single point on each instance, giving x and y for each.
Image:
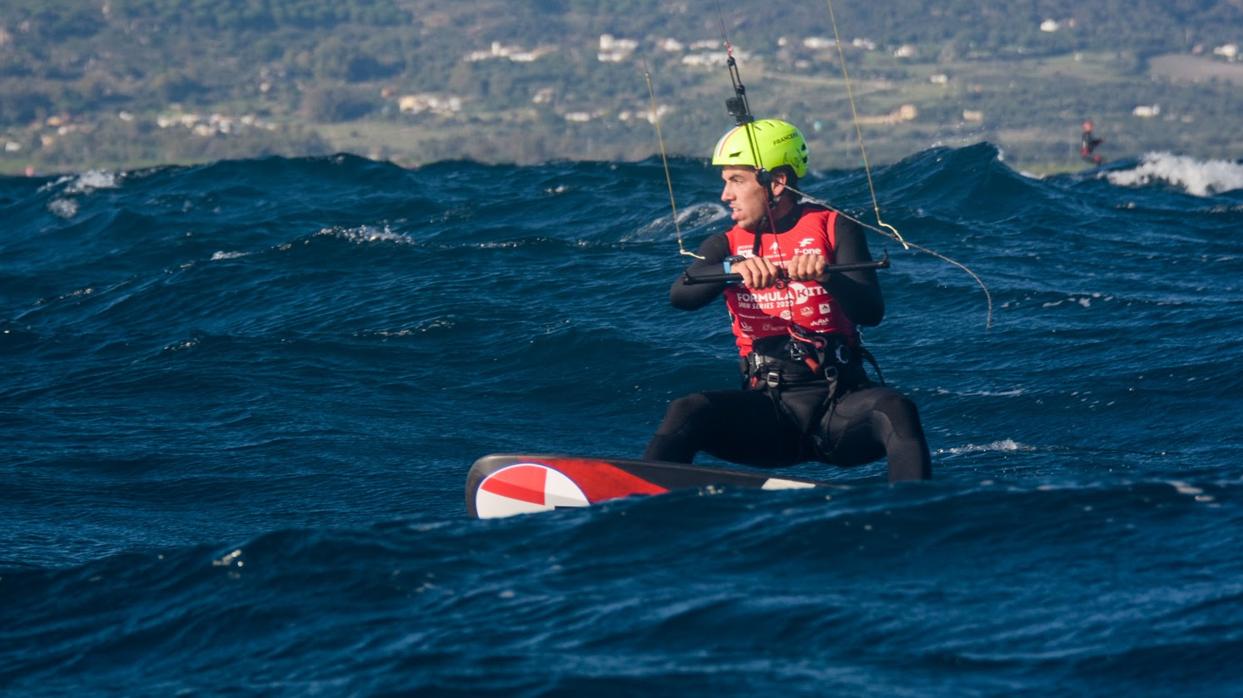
(740, 109)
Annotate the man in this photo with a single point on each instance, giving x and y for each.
(805, 393)
(1088, 143)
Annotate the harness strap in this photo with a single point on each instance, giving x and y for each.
(805, 359)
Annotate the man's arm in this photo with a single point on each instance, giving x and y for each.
(714, 250)
(857, 291)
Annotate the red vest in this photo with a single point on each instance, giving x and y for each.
(769, 312)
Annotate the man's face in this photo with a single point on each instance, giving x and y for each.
(747, 200)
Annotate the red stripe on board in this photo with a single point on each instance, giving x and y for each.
(522, 482)
(601, 480)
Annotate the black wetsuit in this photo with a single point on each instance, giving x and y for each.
(1087, 148)
(783, 414)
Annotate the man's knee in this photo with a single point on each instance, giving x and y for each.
(684, 410)
(901, 413)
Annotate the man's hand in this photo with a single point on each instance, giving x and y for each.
(805, 267)
(757, 272)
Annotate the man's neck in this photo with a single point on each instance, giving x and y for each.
(784, 212)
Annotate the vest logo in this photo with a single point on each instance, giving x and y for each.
(804, 293)
(825, 309)
(763, 297)
(805, 242)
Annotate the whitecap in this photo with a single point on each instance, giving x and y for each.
(1005, 445)
(1192, 491)
(1013, 392)
(229, 560)
(182, 345)
(64, 208)
(86, 182)
(1184, 488)
(1197, 177)
(365, 233)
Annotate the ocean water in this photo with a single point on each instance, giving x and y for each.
(239, 400)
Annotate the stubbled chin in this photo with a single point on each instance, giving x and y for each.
(739, 220)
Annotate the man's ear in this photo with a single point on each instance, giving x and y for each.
(779, 183)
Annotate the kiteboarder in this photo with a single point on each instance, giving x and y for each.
(1088, 143)
(805, 393)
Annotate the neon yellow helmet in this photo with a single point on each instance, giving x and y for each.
(777, 142)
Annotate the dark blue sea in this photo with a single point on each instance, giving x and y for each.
(238, 402)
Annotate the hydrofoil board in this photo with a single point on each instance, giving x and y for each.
(508, 484)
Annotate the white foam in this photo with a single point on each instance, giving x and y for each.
(86, 182)
(1005, 445)
(219, 255)
(65, 208)
(366, 233)
(1013, 392)
(1197, 177)
(182, 345)
(1184, 488)
(1190, 490)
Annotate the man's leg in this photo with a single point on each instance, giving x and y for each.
(740, 426)
(880, 421)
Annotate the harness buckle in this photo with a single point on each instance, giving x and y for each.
(842, 354)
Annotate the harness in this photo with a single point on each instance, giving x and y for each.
(805, 359)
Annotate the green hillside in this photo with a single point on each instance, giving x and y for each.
(121, 83)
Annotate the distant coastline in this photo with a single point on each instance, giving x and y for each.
(427, 80)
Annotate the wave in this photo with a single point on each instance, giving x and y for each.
(239, 401)
(1196, 177)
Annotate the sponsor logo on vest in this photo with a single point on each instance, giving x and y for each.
(804, 293)
(763, 297)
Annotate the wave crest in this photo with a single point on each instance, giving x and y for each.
(1196, 177)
